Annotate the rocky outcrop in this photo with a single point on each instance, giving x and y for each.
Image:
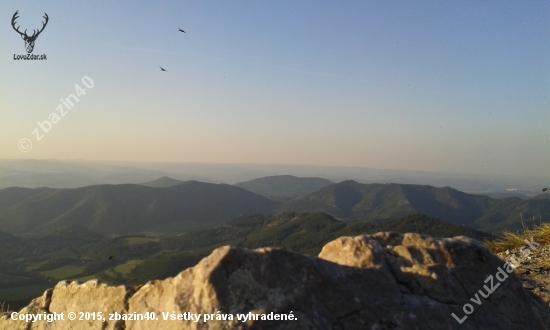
(382, 281)
(533, 268)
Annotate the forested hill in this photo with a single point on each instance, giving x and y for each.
(125, 209)
(284, 187)
(375, 203)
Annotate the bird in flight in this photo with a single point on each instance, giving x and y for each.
(111, 258)
(545, 189)
(181, 30)
(162, 68)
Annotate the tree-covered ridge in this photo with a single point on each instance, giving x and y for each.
(377, 203)
(284, 187)
(300, 232)
(114, 210)
(31, 264)
(127, 209)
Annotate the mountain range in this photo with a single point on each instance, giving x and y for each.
(376, 203)
(114, 210)
(162, 182)
(170, 207)
(34, 173)
(133, 233)
(284, 187)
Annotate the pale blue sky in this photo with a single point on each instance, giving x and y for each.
(417, 85)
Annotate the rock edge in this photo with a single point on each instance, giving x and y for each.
(380, 281)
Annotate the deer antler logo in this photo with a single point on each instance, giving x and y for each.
(29, 40)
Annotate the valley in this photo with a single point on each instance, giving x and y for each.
(131, 234)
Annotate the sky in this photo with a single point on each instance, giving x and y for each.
(459, 86)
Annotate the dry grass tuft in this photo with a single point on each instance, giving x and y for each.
(540, 234)
(4, 308)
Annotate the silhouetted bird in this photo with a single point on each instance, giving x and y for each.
(181, 30)
(162, 68)
(111, 258)
(545, 189)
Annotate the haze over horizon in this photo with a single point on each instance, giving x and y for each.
(423, 86)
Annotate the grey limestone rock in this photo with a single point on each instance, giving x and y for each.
(381, 281)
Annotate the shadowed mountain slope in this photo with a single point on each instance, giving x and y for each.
(304, 233)
(284, 187)
(14, 195)
(162, 182)
(124, 209)
(542, 196)
(352, 201)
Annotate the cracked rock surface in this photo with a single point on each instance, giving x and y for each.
(381, 281)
